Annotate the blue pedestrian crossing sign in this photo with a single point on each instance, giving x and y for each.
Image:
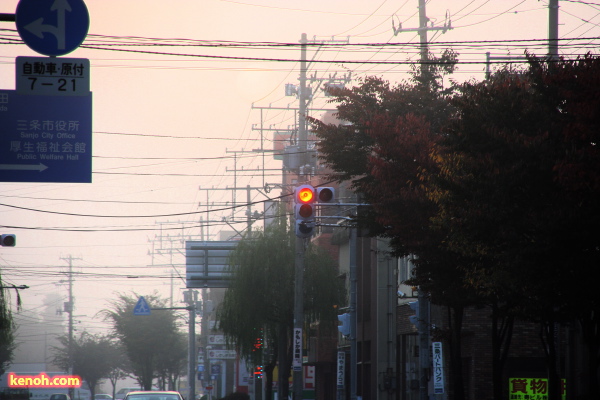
(142, 307)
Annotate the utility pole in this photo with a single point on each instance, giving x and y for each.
(423, 327)
(69, 307)
(423, 37)
(353, 313)
(553, 30)
(249, 215)
(298, 377)
(204, 331)
(304, 171)
(422, 30)
(192, 297)
(302, 131)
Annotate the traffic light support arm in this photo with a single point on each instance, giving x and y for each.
(342, 204)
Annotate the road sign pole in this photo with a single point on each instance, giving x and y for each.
(192, 348)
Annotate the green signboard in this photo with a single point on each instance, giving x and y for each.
(532, 389)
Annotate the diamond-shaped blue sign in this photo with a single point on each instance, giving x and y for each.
(52, 27)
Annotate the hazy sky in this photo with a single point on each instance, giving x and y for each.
(169, 118)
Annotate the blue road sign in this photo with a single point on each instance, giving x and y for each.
(45, 138)
(142, 307)
(52, 27)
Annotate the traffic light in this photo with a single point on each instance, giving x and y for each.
(304, 194)
(325, 195)
(8, 240)
(258, 372)
(304, 210)
(344, 328)
(414, 319)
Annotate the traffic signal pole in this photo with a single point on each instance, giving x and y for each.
(353, 319)
(298, 378)
(302, 131)
(191, 349)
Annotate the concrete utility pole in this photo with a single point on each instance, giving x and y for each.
(69, 307)
(302, 131)
(298, 376)
(250, 216)
(423, 300)
(423, 325)
(422, 30)
(352, 269)
(192, 298)
(552, 40)
(553, 30)
(423, 35)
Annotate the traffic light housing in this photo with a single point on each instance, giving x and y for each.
(8, 240)
(344, 328)
(325, 195)
(304, 210)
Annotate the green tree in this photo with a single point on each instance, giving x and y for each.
(172, 361)
(91, 356)
(264, 272)
(146, 338)
(119, 365)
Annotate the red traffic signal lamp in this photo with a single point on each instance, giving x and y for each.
(304, 194)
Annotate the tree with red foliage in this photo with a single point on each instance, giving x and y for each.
(518, 194)
(500, 205)
(383, 148)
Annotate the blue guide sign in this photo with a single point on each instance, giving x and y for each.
(45, 138)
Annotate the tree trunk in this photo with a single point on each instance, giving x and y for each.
(502, 330)
(590, 328)
(284, 363)
(548, 338)
(456, 315)
(269, 368)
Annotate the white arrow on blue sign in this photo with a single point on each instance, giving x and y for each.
(52, 27)
(142, 307)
